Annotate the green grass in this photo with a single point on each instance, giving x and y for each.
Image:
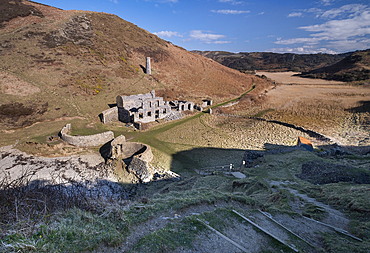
(314, 212)
(73, 231)
(172, 236)
(183, 234)
(235, 99)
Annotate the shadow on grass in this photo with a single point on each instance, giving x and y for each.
(198, 158)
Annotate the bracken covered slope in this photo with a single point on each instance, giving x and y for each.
(355, 67)
(272, 61)
(56, 63)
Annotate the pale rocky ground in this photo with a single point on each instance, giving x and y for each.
(88, 171)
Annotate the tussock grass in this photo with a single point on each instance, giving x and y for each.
(172, 236)
(182, 234)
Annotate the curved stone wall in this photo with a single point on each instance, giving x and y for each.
(85, 141)
(137, 156)
(121, 148)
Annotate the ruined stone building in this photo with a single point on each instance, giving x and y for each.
(143, 108)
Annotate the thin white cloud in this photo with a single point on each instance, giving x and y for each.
(168, 1)
(302, 50)
(231, 2)
(314, 10)
(350, 45)
(208, 38)
(229, 12)
(349, 31)
(298, 41)
(345, 9)
(218, 42)
(295, 14)
(326, 2)
(261, 13)
(114, 1)
(168, 34)
(342, 29)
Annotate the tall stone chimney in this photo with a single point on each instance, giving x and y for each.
(148, 68)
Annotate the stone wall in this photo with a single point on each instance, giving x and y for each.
(144, 108)
(110, 115)
(137, 155)
(133, 101)
(206, 102)
(151, 114)
(186, 106)
(124, 115)
(85, 141)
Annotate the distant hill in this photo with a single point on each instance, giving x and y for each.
(56, 63)
(273, 61)
(355, 67)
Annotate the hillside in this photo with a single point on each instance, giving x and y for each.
(272, 61)
(355, 67)
(228, 179)
(56, 64)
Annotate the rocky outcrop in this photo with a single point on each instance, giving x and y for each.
(78, 31)
(142, 169)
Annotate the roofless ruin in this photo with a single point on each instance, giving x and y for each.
(145, 108)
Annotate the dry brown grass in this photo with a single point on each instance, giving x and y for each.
(337, 111)
(289, 78)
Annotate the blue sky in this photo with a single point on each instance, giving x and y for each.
(327, 26)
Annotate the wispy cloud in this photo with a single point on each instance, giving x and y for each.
(114, 1)
(326, 2)
(358, 25)
(346, 9)
(303, 50)
(159, 1)
(208, 38)
(229, 12)
(297, 41)
(234, 2)
(167, 1)
(168, 34)
(295, 14)
(348, 28)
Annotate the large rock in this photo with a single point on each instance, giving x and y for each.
(136, 155)
(142, 169)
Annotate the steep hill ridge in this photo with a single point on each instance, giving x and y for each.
(79, 61)
(272, 61)
(355, 67)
